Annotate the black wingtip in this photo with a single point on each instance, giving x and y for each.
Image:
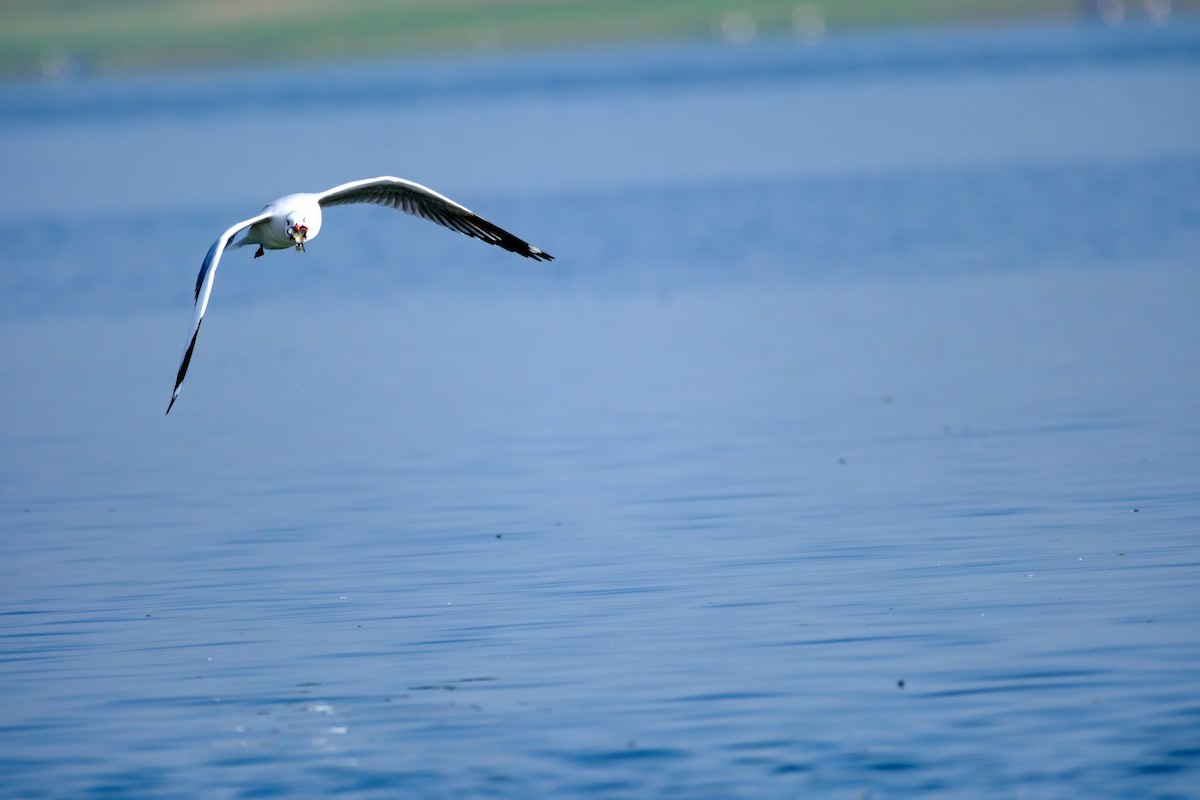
(522, 248)
(183, 366)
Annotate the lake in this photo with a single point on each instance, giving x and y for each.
(849, 447)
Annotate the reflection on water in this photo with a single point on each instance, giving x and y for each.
(872, 472)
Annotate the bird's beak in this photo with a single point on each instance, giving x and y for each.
(299, 234)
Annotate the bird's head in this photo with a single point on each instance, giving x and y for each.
(298, 231)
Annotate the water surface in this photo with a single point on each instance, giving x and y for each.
(847, 448)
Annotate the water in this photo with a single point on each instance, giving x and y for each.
(848, 449)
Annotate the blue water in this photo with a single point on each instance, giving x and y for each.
(849, 447)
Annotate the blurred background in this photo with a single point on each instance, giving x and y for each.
(56, 37)
(848, 447)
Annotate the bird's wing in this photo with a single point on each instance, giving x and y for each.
(204, 284)
(415, 199)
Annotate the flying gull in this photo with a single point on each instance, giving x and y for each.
(296, 219)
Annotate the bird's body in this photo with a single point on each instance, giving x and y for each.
(277, 232)
(294, 220)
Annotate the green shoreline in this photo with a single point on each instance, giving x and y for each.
(47, 37)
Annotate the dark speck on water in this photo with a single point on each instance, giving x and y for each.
(850, 360)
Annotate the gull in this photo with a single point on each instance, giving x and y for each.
(294, 220)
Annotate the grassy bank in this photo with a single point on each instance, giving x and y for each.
(41, 36)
